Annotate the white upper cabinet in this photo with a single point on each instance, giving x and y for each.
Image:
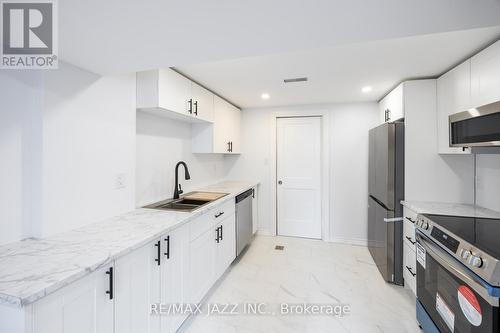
(485, 76)
(221, 137)
(167, 93)
(453, 96)
(392, 106)
(203, 103)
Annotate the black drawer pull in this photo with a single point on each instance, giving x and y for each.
(221, 237)
(411, 241)
(217, 235)
(219, 214)
(409, 219)
(168, 247)
(411, 272)
(158, 249)
(110, 291)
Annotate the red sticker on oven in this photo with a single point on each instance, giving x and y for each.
(470, 305)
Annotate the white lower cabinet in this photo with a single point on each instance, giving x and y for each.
(137, 287)
(178, 268)
(81, 307)
(174, 273)
(409, 250)
(225, 248)
(201, 264)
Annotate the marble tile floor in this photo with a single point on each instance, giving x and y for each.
(307, 271)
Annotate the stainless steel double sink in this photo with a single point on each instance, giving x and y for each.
(187, 203)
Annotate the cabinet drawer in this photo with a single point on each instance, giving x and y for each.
(409, 234)
(410, 268)
(410, 215)
(207, 221)
(221, 212)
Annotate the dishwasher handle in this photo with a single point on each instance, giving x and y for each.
(244, 195)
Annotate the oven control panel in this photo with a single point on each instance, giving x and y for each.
(445, 239)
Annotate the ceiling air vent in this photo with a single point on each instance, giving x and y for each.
(297, 79)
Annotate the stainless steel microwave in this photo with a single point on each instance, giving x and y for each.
(477, 127)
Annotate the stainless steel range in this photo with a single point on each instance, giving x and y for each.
(458, 273)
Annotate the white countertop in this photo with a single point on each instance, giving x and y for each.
(32, 268)
(441, 208)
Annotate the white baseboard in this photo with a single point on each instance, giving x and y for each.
(264, 233)
(350, 241)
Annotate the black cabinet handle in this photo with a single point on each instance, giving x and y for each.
(253, 193)
(190, 110)
(168, 247)
(219, 215)
(411, 241)
(196, 108)
(158, 249)
(229, 146)
(217, 235)
(411, 272)
(221, 237)
(110, 274)
(409, 219)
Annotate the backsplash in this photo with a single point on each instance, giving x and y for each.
(488, 181)
(160, 144)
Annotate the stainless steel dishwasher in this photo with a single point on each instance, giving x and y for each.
(243, 220)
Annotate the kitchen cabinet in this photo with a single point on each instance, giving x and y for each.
(174, 275)
(81, 307)
(225, 246)
(137, 286)
(485, 76)
(221, 137)
(165, 92)
(453, 96)
(392, 106)
(409, 250)
(202, 263)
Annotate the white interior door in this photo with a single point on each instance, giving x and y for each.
(299, 176)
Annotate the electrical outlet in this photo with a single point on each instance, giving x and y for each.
(120, 181)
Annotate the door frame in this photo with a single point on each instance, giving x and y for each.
(325, 168)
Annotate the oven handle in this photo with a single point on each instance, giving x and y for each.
(451, 264)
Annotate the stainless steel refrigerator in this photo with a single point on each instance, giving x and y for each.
(386, 190)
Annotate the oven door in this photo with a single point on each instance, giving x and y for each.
(454, 298)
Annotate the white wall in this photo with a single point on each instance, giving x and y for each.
(161, 143)
(428, 175)
(348, 130)
(488, 181)
(20, 152)
(88, 139)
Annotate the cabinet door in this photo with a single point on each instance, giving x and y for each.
(226, 248)
(203, 106)
(485, 76)
(174, 92)
(392, 106)
(453, 95)
(174, 276)
(410, 267)
(235, 128)
(201, 265)
(82, 307)
(137, 287)
(222, 130)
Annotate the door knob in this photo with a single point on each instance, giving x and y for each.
(280, 182)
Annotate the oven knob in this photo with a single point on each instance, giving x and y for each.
(425, 225)
(465, 254)
(476, 261)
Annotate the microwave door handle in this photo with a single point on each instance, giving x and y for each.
(456, 269)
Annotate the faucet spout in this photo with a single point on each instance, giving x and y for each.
(178, 190)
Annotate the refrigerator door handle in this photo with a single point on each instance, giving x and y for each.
(395, 219)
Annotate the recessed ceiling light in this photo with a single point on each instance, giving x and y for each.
(366, 89)
(265, 96)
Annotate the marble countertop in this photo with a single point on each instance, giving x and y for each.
(33, 268)
(441, 208)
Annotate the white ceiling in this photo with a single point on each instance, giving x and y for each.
(337, 74)
(116, 36)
